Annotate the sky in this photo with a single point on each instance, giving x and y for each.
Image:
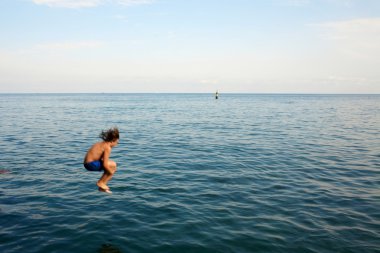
(242, 46)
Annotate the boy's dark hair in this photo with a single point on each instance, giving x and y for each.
(109, 135)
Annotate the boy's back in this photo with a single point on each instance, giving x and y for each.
(95, 152)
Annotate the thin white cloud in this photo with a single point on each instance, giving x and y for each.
(343, 3)
(75, 4)
(298, 2)
(121, 18)
(295, 3)
(133, 2)
(69, 3)
(354, 25)
(208, 81)
(301, 3)
(358, 37)
(60, 46)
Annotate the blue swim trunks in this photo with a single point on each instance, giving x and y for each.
(94, 166)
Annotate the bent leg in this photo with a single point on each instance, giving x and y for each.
(112, 165)
(107, 175)
(101, 182)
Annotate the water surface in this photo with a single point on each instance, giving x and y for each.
(244, 173)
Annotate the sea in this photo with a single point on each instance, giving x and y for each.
(288, 173)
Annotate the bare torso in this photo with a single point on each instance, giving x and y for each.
(96, 152)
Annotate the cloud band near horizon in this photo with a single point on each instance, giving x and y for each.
(75, 4)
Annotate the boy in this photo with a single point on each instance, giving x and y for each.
(97, 157)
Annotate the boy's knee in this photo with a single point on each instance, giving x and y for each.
(114, 168)
(111, 167)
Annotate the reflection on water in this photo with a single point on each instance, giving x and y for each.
(109, 248)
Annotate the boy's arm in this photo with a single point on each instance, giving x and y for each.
(106, 156)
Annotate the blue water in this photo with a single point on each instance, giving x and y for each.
(244, 173)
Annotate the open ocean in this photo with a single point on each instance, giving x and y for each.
(244, 173)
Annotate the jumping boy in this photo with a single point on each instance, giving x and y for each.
(97, 157)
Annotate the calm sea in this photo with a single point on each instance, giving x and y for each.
(244, 173)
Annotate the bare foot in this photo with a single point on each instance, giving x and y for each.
(102, 186)
(105, 190)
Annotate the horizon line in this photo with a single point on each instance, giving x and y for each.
(242, 93)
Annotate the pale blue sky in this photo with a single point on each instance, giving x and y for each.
(267, 46)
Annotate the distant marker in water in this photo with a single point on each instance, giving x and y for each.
(216, 95)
